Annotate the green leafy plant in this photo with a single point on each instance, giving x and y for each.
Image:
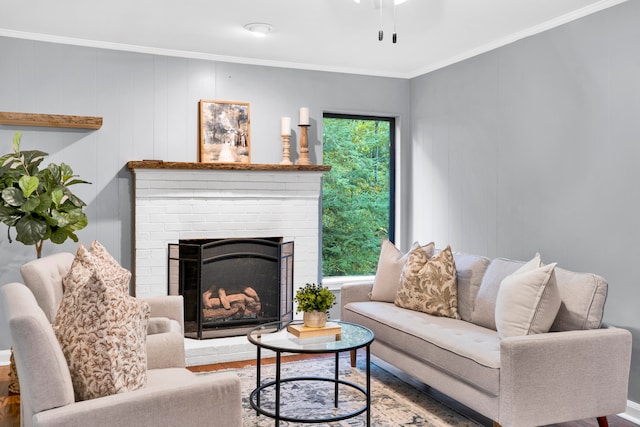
(314, 297)
(38, 203)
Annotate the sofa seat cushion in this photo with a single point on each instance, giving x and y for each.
(466, 351)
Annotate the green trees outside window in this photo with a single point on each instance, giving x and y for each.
(356, 194)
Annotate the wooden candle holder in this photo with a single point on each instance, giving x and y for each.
(304, 149)
(286, 147)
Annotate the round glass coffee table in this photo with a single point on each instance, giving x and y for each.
(274, 336)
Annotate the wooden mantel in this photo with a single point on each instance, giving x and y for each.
(50, 120)
(159, 164)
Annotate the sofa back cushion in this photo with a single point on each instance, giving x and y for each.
(583, 296)
(44, 277)
(469, 270)
(484, 309)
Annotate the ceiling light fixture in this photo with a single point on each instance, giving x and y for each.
(385, 4)
(259, 29)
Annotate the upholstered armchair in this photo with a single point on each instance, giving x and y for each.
(165, 334)
(170, 396)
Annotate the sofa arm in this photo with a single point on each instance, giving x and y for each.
(206, 400)
(563, 376)
(165, 350)
(171, 306)
(354, 292)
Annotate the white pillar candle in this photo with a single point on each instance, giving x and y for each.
(285, 126)
(304, 116)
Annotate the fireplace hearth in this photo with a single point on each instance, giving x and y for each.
(231, 285)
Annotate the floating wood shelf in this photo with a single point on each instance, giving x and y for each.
(50, 120)
(159, 164)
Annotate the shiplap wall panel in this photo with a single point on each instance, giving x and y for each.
(149, 105)
(534, 147)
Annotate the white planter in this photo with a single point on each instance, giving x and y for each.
(314, 319)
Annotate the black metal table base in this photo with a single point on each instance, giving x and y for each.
(254, 398)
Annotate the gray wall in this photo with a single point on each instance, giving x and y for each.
(535, 147)
(150, 109)
(531, 147)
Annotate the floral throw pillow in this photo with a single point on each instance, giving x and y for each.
(112, 272)
(96, 259)
(102, 332)
(429, 284)
(390, 264)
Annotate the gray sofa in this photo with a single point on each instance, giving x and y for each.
(172, 396)
(578, 370)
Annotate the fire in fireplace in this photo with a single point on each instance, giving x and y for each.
(231, 285)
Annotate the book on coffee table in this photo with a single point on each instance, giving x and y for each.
(301, 331)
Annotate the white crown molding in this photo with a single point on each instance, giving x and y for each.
(190, 54)
(577, 14)
(545, 26)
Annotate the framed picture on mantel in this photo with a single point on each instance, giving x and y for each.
(224, 132)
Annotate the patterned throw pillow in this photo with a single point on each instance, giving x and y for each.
(100, 260)
(429, 285)
(102, 332)
(110, 270)
(390, 264)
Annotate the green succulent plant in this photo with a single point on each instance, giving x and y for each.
(37, 202)
(314, 297)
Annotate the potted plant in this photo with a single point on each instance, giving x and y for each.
(314, 301)
(38, 203)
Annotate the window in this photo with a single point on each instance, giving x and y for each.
(357, 194)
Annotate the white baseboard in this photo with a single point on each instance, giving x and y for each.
(632, 413)
(4, 357)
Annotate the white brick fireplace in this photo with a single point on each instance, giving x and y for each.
(176, 201)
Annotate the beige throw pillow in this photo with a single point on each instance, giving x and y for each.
(429, 284)
(528, 301)
(390, 264)
(102, 332)
(484, 307)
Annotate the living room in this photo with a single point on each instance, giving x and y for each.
(528, 147)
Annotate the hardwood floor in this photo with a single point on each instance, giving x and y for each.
(10, 404)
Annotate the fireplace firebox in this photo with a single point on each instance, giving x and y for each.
(231, 285)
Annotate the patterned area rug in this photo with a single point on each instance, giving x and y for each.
(394, 402)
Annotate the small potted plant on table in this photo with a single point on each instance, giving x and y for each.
(314, 301)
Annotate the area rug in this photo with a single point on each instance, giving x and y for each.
(394, 402)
